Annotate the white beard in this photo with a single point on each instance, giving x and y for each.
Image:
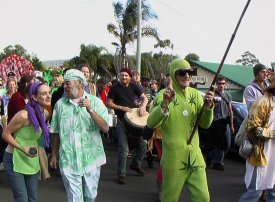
(75, 92)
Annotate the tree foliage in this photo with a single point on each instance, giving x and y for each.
(248, 59)
(125, 29)
(37, 64)
(155, 65)
(17, 50)
(21, 51)
(192, 56)
(97, 58)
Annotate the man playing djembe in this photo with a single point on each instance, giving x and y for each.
(121, 99)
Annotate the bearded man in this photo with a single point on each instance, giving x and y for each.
(77, 120)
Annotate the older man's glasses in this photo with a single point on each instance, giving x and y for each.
(183, 72)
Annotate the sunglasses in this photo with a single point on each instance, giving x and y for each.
(183, 72)
(221, 83)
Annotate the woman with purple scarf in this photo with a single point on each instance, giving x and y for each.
(21, 159)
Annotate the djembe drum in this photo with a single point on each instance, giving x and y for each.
(134, 123)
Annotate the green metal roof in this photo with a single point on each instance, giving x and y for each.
(238, 74)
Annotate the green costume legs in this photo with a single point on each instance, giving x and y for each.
(173, 181)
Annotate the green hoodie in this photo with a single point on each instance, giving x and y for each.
(176, 126)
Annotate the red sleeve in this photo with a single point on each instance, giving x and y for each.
(16, 103)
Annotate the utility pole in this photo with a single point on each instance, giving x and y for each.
(138, 56)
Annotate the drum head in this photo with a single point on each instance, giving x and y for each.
(135, 119)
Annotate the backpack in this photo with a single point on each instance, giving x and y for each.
(241, 134)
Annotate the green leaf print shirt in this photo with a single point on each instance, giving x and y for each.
(81, 148)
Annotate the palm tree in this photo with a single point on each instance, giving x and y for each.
(126, 29)
(97, 58)
(93, 56)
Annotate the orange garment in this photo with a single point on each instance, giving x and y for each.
(156, 135)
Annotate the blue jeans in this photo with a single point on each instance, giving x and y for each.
(24, 187)
(252, 195)
(123, 151)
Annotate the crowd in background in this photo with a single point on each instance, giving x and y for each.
(118, 97)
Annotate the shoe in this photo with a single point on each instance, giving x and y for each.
(218, 166)
(138, 170)
(121, 180)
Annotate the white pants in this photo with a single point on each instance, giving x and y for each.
(81, 187)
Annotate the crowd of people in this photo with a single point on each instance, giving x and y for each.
(68, 118)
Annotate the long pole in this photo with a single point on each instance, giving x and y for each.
(138, 56)
(218, 72)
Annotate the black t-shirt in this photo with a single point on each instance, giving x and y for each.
(124, 96)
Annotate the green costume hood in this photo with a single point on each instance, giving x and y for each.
(174, 66)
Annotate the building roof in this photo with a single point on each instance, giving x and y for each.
(238, 74)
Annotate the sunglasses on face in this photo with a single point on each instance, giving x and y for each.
(221, 83)
(183, 72)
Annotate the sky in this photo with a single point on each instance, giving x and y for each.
(55, 29)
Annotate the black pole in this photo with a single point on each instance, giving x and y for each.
(218, 72)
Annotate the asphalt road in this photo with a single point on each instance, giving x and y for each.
(224, 186)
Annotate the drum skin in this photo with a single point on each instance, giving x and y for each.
(134, 123)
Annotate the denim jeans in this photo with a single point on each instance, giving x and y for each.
(3, 145)
(24, 187)
(252, 195)
(123, 150)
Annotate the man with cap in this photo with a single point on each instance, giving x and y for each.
(175, 111)
(260, 166)
(255, 88)
(77, 120)
(121, 99)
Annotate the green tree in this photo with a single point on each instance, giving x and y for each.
(17, 50)
(125, 29)
(37, 64)
(192, 56)
(93, 55)
(248, 59)
(74, 62)
(98, 58)
(105, 66)
(21, 51)
(155, 65)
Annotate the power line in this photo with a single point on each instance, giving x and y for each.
(167, 6)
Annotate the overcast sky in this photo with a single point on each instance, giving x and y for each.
(55, 29)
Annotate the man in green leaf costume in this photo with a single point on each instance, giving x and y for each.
(175, 110)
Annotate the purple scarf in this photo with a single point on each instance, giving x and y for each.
(35, 115)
